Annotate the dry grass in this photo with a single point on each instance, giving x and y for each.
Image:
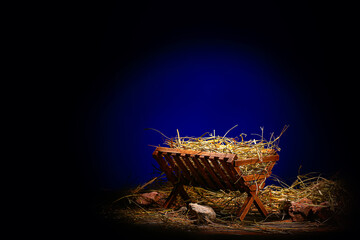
(311, 186)
(244, 149)
(227, 203)
(209, 142)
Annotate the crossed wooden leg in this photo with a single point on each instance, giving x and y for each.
(247, 204)
(178, 189)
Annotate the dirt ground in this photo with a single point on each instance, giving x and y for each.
(173, 223)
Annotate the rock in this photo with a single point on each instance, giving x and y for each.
(203, 214)
(321, 212)
(182, 210)
(304, 210)
(284, 208)
(300, 210)
(150, 198)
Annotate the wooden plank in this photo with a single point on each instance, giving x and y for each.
(232, 159)
(174, 168)
(178, 186)
(184, 170)
(245, 207)
(252, 198)
(241, 162)
(192, 152)
(164, 167)
(221, 172)
(178, 189)
(255, 177)
(193, 170)
(172, 197)
(239, 180)
(238, 171)
(205, 161)
(201, 169)
(259, 205)
(229, 170)
(257, 187)
(183, 194)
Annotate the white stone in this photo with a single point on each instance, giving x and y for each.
(204, 214)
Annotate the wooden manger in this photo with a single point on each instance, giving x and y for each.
(214, 171)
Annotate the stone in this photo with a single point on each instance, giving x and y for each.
(182, 210)
(321, 212)
(203, 214)
(284, 208)
(151, 198)
(300, 210)
(304, 210)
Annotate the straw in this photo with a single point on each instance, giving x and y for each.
(227, 203)
(244, 149)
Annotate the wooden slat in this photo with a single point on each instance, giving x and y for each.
(178, 189)
(192, 152)
(205, 161)
(259, 204)
(268, 168)
(223, 175)
(193, 170)
(184, 170)
(245, 207)
(174, 168)
(239, 180)
(172, 197)
(255, 177)
(232, 158)
(229, 169)
(241, 162)
(201, 169)
(184, 194)
(255, 187)
(164, 167)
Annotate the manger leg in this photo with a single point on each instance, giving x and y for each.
(184, 194)
(259, 205)
(245, 207)
(172, 196)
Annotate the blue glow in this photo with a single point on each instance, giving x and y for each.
(196, 87)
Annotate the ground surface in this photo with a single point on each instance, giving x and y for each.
(156, 221)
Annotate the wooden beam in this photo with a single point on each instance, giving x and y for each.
(192, 152)
(241, 162)
(201, 169)
(259, 205)
(245, 207)
(221, 172)
(205, 161)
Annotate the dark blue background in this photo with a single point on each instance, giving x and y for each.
(199, 67)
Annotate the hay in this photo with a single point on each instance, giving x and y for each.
(227, 203)
(244, 149)
(311, 186)
(209, 142)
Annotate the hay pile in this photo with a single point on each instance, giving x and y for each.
(312, 186)
(227, 203)
(244, 149)
(209, 142)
